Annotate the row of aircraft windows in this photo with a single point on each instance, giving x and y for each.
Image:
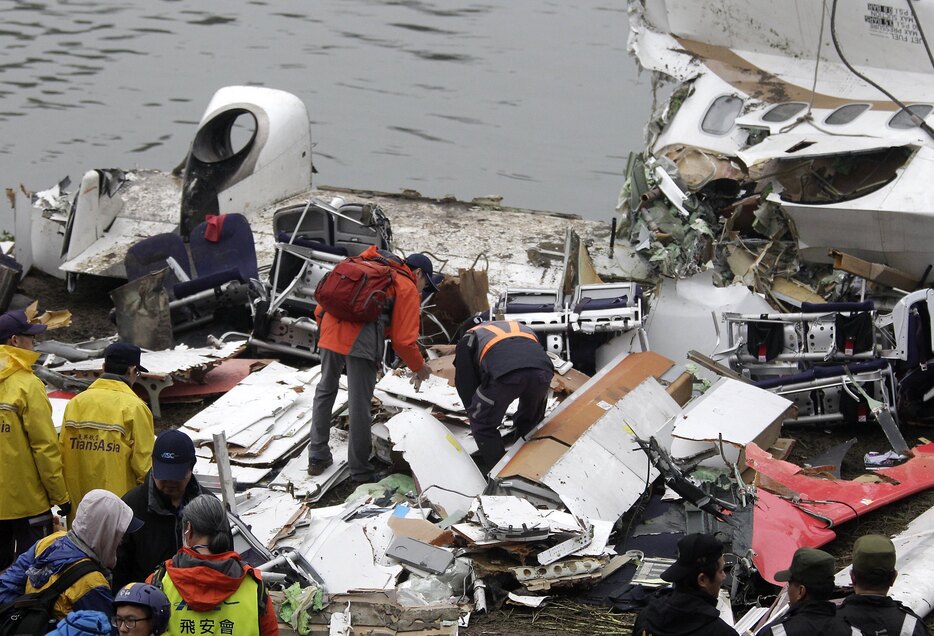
(725, 109)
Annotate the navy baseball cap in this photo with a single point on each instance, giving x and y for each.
(422, 262)
(172, 456)
(15, 323)
(126, 353)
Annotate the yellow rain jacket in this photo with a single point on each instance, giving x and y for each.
(106, 440)
(30, 459)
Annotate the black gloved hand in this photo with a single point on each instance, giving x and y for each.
(64, 509)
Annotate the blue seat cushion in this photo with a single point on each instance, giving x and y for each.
(312, 244)
(596, 304)
(188, 288)
(234, 248)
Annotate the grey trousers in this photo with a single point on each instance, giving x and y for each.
(361, 380)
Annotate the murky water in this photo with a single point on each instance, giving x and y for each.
(537, 101)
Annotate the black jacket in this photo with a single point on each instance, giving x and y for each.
(810, 618)
(159, 538)
(677, 613)
(879, 615)
(470, 373)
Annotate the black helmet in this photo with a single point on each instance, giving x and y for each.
(146, 596)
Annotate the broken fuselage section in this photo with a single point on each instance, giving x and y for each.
(815, 113)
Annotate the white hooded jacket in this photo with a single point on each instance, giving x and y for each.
(100, 523)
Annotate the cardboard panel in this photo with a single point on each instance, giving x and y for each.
(591, 402)
(534, 459)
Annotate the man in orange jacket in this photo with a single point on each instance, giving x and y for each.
(358, 347)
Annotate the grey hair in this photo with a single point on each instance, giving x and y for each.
(208, 517)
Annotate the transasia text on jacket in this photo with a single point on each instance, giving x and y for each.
(41, 565)
(677, 613)
(29, 452)
(159, 538)
(106, 439)
(216, 591)
(364, 339)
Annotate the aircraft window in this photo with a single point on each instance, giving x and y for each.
(902, 118)
(784, 112)
(721, 115)
(846, 114)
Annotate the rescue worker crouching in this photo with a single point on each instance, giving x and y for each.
(495, 363)
(29, 452)
(206, 582)
(107, 431)
(358, 347)
(100, 523)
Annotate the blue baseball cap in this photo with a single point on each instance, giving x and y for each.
(173, 455)
(15, 323)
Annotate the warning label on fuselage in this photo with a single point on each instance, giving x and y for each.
(891, 22)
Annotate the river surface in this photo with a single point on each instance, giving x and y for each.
(534, 100)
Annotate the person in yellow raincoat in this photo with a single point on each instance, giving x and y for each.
(30, 460)
(107, 431)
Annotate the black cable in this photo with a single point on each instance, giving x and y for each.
(924, 40)
(798, 502)
(836, 44)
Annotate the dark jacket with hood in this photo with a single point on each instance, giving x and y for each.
(681, 613)
(877, 615)
(161, 534)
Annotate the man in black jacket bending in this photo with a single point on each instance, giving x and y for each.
(158, 501)
(495, 363)
(870, 608)
(691, 607)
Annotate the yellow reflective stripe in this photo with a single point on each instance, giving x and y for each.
(237, 615)
(101, 426)
(514, 332)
